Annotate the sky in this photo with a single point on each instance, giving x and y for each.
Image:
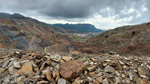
(104, 14)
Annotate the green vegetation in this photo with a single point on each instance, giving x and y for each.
(77, 38)
(26, 75)
(106, 36)
(133, 33)
(22, 24)
(102, 51)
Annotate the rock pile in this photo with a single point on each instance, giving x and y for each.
(63, 68)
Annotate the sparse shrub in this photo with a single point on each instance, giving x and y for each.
(102, 51)
(21, 24)
(26, 75)
(106, 36)
(57, 35)
(133, 32)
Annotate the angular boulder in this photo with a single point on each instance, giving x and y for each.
(144, 72)
(109, 69)
(62, 81)
(66, 58)
(71, 69)
(27, 68)
(140, 81)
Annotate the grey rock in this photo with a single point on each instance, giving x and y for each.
(109, 69)
(62, 81)
(139, 81)
(144, 72)
(6, 80)
(105, 81)
(130, 76)
(57, 66)
(0, 64)
(117, 80)
(17, 65)
(56, 57)
(5, 64)
(10, 63)
(43, 82)
(112, 53)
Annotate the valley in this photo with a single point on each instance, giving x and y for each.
(34, 52)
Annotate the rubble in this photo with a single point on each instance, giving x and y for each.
(67, 68)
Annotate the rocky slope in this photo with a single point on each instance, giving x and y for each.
(124, 40)
(17, 31)
(22, 67)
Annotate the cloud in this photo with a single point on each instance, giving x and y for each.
(52, 8)
(98, 12)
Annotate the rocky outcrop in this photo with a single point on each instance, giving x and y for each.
(66, 68)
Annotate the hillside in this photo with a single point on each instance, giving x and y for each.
(17, 31)
(124, 40)
(79, 28)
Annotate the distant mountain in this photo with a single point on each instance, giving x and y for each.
(12, 16)
(64, 28)
(124, 40)
(18, 31)
(79, 28)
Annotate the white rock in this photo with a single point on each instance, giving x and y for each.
(62, 81)
(17, 65)
(108, 60)
(105, 81)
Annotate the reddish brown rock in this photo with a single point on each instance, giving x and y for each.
(139, 81)
(2, 70)
(71, 69)
(13, 71)
(144, 72)
(91, 68)
(92, 73)
(47, 74)
(99, 79)
(95, 82)
(27, 68)
(56, 75)
(42, 66)
(27, 57)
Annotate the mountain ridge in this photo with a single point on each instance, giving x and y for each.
(72, 28)
(79, 28)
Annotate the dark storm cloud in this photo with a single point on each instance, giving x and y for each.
(54, 8)
(80, 8)
(69, 8)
